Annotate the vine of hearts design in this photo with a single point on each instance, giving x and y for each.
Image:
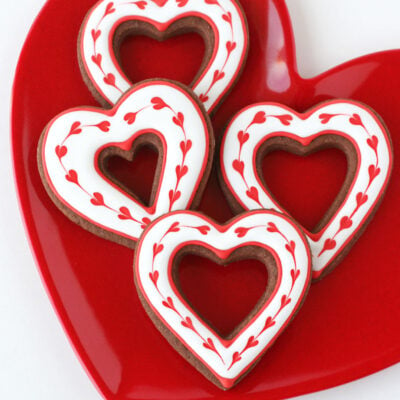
(224, 16)
(148, 108)
(226, 359)
(348, 119)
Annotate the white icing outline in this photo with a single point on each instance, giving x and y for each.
(101, 18)
(304, 128)
(83, 148)
(168, 234)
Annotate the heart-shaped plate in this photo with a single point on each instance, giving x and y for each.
(349, 325)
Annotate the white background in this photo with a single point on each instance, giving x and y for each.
(36, 360)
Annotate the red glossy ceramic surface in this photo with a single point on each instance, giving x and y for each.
(349, 325)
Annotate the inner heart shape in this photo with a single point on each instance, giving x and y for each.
(222, 360)
(135, 171)
(220, 22)
(158, 113)
(305, 173)
(347, 125)
(197, 275)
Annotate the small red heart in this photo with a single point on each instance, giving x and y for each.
(294, 274)
(243, 137)
(285, 119)
(130, 118)
(356, 120)
(169, 303)
(285, 300)
(145, 222)
(259, 118)
(157, 249)
(75, 129)
(97, 59)
(373, 172)
(241, 232)
(109, 79)
(181, 171)
(186, 146)
(230, 46)
(227, 17)
(160, 3)
(251, 343)
(124, 213)
(203, 98)
(269, 323)
(72, 176)
(252, 193)
(179, 119)
(236, 357)
(109, 9)
(272, 227)
(158, 103)
(238, 166)
(218, 75)
(154, 277)
(174, 227)
(141, 4)
(187, 323)
(325, 118)
(61, 151)
(204, 229)
(361, 199)
(330, 244)
(104, 126)
(97, 199)
(174, 196)
(96, 34)
(373, 142)
(345, 223)
(290, 247)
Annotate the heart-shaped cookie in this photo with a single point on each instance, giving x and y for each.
(347, 125)
(265, 235)
(221, 23)
(75, 145)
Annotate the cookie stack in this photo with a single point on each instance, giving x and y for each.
(174, 119)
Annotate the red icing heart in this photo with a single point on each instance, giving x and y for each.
(160, 3)
(110, 79)
(114, 338)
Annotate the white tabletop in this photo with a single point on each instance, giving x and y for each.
(36, 360)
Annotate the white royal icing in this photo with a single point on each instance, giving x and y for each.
(344, 118)
(267, 229)
(74, 139)
(224, 16)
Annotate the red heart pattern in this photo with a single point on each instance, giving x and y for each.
(222, 361)
(347, 119)
(70, 166)
(225, 17)
(334, 83)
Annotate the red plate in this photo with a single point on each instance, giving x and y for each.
(349, 326)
